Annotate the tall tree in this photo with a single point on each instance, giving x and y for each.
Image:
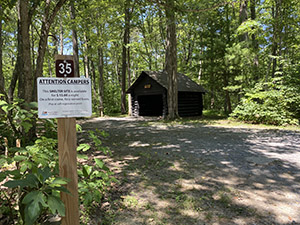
(2, 81)
(49, 14)
(74, 38)
(125, 55)
(243, 17)
(171, 60)
(25, 77)
(101, 80)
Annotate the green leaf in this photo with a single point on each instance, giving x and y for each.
(80, 156)
(29, 181)
(59, 181)
(2, 176)
(34, 201)
(26, 126)
(78, 128)
(36, 196)
(99, 163)
(19, 158)
(62, 189)
(3, 103)
(44, 174)
(83, 147)
(56, 205)
(86, 170)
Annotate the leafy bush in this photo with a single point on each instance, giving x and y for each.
(33, 182)
(30, 173)
(15, 119)
(94, 179)
(275, 103)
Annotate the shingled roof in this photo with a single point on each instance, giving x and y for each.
(184, 82)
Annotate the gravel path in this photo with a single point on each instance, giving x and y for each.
(261, 165)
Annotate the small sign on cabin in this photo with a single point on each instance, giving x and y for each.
(147, 86)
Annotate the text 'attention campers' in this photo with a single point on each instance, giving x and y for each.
(64, 81)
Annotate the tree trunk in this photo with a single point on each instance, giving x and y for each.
(227, 107)
(61, 37)
(129, 81)
(254, 42)
(277, 33)
(171, 61)
(74, 40)
(86, 57)
(46, 24)
(124, 57)
(243, 17)
(2, 81)
(25, 78)
(101, 85)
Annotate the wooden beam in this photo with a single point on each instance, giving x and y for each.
(66, 132)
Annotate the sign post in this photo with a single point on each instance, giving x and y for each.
(67, 153)
(66, 97)
(66, 132)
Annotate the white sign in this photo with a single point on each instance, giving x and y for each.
(64, 97)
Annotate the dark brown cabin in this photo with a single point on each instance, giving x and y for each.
(149, 95)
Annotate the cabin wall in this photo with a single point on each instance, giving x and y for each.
(190, 104)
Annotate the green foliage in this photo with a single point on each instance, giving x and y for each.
(39, 191)
(33, 181)
(16, 118)
(94, 179)
(34, 184)
(276, 102)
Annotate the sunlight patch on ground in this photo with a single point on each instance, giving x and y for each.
(138, 144)
(284, 207)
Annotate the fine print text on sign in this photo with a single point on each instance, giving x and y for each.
(64, 97)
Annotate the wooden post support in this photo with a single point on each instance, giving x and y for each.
(66, 132)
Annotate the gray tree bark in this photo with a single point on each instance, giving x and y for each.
(171, 60)
(124, 56)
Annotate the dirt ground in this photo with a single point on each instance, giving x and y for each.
(194, 173)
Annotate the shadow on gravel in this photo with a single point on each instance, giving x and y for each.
(198, 174)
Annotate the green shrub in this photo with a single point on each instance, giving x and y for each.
(275, 103)
(33, 183)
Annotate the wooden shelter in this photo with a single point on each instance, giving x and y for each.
(149, 95)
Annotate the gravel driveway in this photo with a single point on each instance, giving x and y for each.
(258, 168)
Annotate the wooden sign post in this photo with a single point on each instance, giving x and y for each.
(66, 97)
(66, 134)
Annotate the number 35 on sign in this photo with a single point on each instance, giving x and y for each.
(64, 66)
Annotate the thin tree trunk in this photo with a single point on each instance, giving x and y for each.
(227, 107)
(254, 42)
(101, 80)
(2, 81)
(74, 40)
(243, 17)
(61, 37)
(124, 57)
(46, 24)
(129, 81)
(171, 61)
(86, 56)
